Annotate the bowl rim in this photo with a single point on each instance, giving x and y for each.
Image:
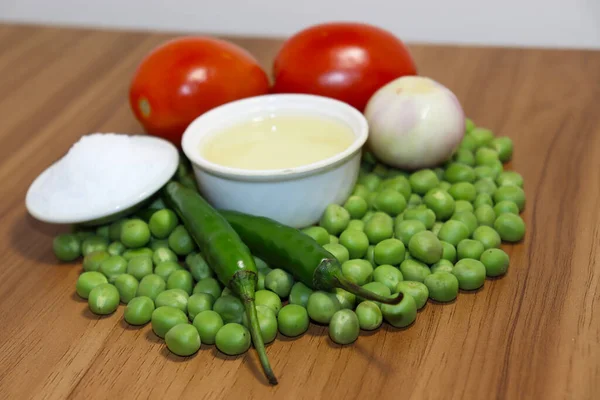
(318, 105)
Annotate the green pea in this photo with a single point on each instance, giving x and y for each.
(127, 286)
(367, 216)
(506, 206)
(423, 180)
(440, 202)
(356, 206)
(180, 241)
(504, 146)
(439, 172)
(156, 244)
(280, 282)
(468, 218)
(510, 178)
(456, 172)
(135, 233)
(417, 290)
(510, 227)
(299, 294)
(464, 156)
(87, 281)
(380, 170)
(389, 251)
(269, 299)
(445, 186)
(398, 183)
(511, 193)
(132, 253)
(495, 262)
(260, 280)
(485, 215)
(103, 299)
(413, 270)
(230, 308)
(497, 167)
(139, 310)
(470, 248)
(470, 274)
(370, 181)
(89, 245)
(435, 229)
(181, 279)
(468, 143)
(163, 254)
(369, 315)
(335, 219)
(197, 303)
(358, 271)
(356, 242)
(183, 340)
(346, 299)
(267, 322)
(357, 224)
(166, 268)
(360, 191)
(485, 186)
(233, 339)
(387, 275)
(208, 323)
(485, 172)
(377, 288)
(321, 306)
(333, 240)
(379, 227)
(426, 216)
(487, 236)
(402, 314)
(425, 247)
(162, 223)
(448, 251)
(113, 266)
(151, 286)
(292, 320)
(139, 267)
(370, 256)
(483, 199)
(175, 298)
(260, 264)
(453, 232)
(463, 205)
(338, 251)
(344, 327)
(390, 201)
(469, 125)
(482, 136)
(442, 286)
(405, 230)
(485, 156)
(92, 261)
(199, 267)
(164, 318)
(318, 233)
(227, 292)
(442, 265)
(463, 191)
(116, 248)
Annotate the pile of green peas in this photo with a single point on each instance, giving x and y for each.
(425, 233)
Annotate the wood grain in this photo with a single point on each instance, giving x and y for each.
(533, 334)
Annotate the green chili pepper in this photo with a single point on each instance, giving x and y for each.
(225, 253)
(297, 253)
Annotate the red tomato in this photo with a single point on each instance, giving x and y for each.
(346, 61)
(185, 77)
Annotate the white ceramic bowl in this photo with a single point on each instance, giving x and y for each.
(293, 196)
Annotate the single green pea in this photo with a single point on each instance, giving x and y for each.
(135, 233)
(482, 136)
(448, 251)
(369, 315)
(127, 286)
(469, 248)
(132, 253)
(487, 236)
(445, 186)
(485, 172)
(357, 224)
(413, 270)
(426, 216)
(280, 282)
(87, 281)
(346, 299)
(260, 280)
(468, 218)
(344, 327)
(464, 156)
(379, 227)
(92, 261)
(495, 262)
(183, 340)
(483, 199)
(162, 223)
(470, 274)
(456, 172)
(269, 299)
(440, 202)
(405, 230)
(390, 201)
(370, 256)
(175, 298)
(318, 233)
(321, 306)
(198, 267)
(89, 245)
(161, 255)
(209, 286)
(423, 180)
(156, 244)
(417, 290)
(469, 125)
(414, 201)
(139, 310)
(358, 271)
(510, 227)
(367, 216)
(453, 232)
(338, 251)
(208, 323)
(510, 193)
(442, 265)
(356, 206)
(113, 266)
(485, 215)
(335, 219)
(370, 181)
(181, 279)
(506, 206)
(139, 267)
(150, 286)
(425, 247)
(485, 185)
(103, 299)
(292, 320)
(333, 239)
(299, 294)
(180, 241)
(463, 191)
(166, 268)
(230, 308)
(486, 156)
(267, 322)
(504, 146)
(463, 205)
(389, 251)
(468, 143)
(164, 318)
(360, 191)
(510, 178)
(442, 286)
(197, 303)
(402, 314)
(388, 275)
(116, 248)
(233, 339)
(398, 183)
(356, 242)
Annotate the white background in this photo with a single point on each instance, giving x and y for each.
(548, 23)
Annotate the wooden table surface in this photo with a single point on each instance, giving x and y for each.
(534, 334)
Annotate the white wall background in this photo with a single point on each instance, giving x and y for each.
(548, 23)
